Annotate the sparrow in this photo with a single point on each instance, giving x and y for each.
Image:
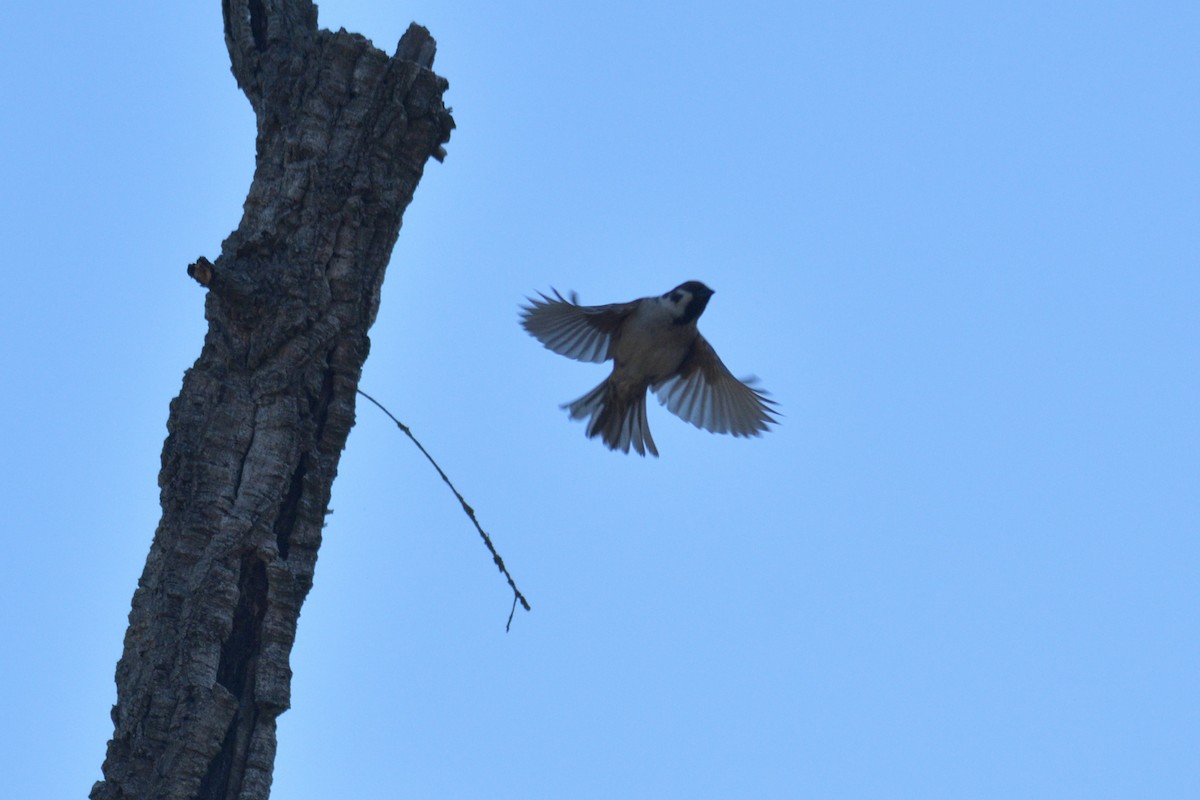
(654, 344)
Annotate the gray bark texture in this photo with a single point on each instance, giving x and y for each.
(255, 435)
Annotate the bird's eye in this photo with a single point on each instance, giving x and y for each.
(675, 297)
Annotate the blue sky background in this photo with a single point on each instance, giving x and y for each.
(957, 241)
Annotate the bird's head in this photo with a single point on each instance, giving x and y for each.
(687, 301)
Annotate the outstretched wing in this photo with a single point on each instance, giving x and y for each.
(569, 329)
(705, 393)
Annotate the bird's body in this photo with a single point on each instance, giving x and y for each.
(654, 344)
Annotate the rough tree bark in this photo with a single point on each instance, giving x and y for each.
(255, 435)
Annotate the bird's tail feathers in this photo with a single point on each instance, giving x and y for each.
(617, 417)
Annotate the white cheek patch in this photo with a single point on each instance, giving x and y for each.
(676, 307)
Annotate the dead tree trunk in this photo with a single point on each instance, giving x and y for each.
(255, 435)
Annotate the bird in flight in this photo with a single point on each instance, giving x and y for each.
(654, 344)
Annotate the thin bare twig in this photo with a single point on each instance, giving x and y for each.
(517, 596)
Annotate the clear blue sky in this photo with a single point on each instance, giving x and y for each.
(958, 242)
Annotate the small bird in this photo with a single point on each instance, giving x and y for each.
(654, 344)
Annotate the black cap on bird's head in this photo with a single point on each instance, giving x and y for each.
(696, 288)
